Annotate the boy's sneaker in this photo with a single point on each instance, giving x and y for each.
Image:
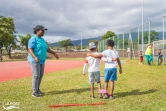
(100, 95)
(40, 93)
(92, 97)
(35, 95)
(111, 97)
(105, 96)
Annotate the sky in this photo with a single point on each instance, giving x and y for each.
(73, 19)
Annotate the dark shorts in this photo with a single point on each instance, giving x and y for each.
(160, 58)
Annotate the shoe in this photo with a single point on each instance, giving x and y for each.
(111, 97)
(105, 96)
(40, 93)
(92, 97)
(149, 63)
(100, 95)
(35, 95)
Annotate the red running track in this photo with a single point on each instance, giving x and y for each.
(21, 69)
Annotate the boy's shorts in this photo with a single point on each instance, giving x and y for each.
(141, 59)
(94, 76)
(160, 58)
(110, 74)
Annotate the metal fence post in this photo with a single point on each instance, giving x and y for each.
(163, 38)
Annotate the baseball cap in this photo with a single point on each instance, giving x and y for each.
(92, 45)
(40, 27)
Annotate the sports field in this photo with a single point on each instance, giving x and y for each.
(139, 88)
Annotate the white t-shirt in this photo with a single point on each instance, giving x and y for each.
(93, 64)
(112, 54)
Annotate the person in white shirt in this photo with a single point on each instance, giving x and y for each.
(110, 67)
(94, 68)
(128, 53)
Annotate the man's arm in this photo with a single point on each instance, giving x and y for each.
(52, 52)
(31, 46)
(119, 64)
(30, 50)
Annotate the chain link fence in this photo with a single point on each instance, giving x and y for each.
(138, 38)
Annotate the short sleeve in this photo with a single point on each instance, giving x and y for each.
(103, 53)
(32, 42)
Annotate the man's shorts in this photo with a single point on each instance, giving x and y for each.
(149, 58)
(110, 74)
(94, 76)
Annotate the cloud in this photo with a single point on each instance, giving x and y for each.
(71, 18)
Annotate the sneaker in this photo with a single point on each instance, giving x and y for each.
(105, 96)
(149, 63)
(111, 97)
(40, 93)
(92, 97)
(100, 95)
(35, 95)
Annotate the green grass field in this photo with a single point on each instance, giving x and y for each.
(139, 88)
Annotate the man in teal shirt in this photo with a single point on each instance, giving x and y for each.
(149, 55)
(37, 55)
(40, 49)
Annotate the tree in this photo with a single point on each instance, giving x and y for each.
(108, 35)
(121, 43)
(78, 47)
(65, 43)
(53, 47)
(7, 30)
(153, 36)
(24, 40)
(84, 47)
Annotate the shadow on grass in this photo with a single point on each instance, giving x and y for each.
(79, 91)
(134, 92)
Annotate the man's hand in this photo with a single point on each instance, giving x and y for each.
(120, 71)
(36, 59)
